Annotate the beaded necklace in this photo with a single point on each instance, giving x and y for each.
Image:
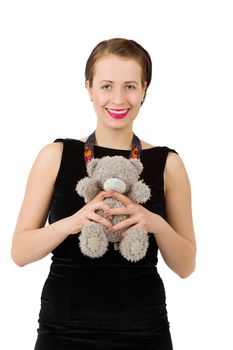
(89, 148)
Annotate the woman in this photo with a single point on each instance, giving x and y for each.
(109, 302)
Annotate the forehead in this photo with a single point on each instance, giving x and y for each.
(115, 68)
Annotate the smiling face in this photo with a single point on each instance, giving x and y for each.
(117, 90)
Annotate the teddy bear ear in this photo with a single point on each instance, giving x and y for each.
(92, 165)
(137, 164)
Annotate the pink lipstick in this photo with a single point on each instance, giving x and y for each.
(117, 113)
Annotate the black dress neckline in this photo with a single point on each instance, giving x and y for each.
(117, 149)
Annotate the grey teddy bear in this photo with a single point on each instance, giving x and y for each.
(119, 174)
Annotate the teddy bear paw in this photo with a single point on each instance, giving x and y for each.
(134, 245)
(93, 241)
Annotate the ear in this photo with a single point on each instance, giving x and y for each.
(89, 89)
(92, 165)
(137, 164)
(144, 87)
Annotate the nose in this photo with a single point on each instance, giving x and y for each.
(114, 184)
(118, 96)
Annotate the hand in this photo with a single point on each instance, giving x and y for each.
(88, 213)
(140, 217)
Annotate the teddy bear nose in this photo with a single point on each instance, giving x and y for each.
(115, 184)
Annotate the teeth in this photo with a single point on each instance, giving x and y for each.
(123, 111)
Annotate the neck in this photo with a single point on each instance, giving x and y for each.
(113, 138)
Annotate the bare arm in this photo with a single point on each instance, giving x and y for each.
(31, 240)
(175, 237)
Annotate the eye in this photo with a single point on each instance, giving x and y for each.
(106, 87)
(130, 87)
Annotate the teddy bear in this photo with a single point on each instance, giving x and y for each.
(119, 174)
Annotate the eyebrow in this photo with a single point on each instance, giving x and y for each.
(126, 82)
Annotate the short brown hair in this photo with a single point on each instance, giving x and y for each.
(124, 48)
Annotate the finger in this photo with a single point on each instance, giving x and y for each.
(104, 194)
(100, 219)
(106, 213)
(124, 234)
(99, 197)
(101, 206)
(119, 211)
(124, 224)
(121, 197)
(131, 228)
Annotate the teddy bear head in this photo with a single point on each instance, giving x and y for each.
(115, 173)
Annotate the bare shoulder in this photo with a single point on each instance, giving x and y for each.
(173, 161)
(52, 149)
(39, 188)
(175, 173)
(49, 158)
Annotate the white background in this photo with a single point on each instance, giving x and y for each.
(44, 46)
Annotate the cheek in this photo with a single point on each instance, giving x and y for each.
(100, 99)
(136, 100)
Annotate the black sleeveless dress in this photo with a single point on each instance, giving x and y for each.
(108, 302)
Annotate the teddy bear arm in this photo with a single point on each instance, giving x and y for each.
(139, 192)
(87, 188)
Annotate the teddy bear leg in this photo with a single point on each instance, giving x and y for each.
(93, 241)
(134, 245)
